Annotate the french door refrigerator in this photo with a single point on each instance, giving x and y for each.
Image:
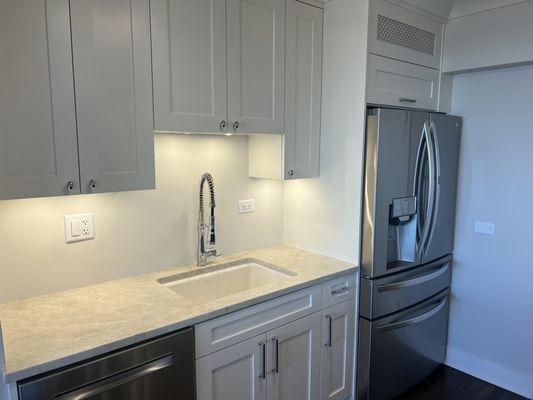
(407, 242)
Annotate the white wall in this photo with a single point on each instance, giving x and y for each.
(488, 39)
(461, 8)
(491, 317)
(323, 215)
(138, 232)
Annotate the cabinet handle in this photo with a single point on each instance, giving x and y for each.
(92, 184)
(330, 330)
(236, 125)
(262, 375)
(223, 125)
(70, 186)
(407, 100)
(342, 290)
(275, 343)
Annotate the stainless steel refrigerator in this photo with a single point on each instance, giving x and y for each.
(407, 242)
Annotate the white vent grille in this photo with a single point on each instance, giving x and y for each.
(403, 35)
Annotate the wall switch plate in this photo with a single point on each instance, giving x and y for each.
(245, 206)
(79, 227)
(484, 228)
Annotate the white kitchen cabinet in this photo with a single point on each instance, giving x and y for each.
(338, 331)
(256, 65)
(293, 357)
(38, 142)
(219, 66)
(189, 61)
(396, 83)
(112, 70)
(75, 109)
(296, 154)
(402, 34)
(237, 372)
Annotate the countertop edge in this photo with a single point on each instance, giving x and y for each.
(15, 376)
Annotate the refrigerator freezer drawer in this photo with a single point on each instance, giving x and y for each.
(380, 297)
(397, 352)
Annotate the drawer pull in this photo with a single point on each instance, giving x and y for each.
(342, 290)
(415, 281)
(407, 100)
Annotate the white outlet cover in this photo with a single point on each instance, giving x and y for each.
(79, 227)
(245, 206)
(484, 228)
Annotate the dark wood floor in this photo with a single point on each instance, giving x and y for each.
(449, 384)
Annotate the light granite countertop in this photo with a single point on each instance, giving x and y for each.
(55, 330)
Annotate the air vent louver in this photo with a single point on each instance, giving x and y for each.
(404, 35)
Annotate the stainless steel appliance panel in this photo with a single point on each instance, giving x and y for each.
(446, 132)
(392, 293)
(389, 223)
(398, 351)
(161, 369)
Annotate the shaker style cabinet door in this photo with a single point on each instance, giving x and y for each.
(38, 143)
(189, 62)
(293, 360)
(112, 69)
(256, 65)
(237, 372)
(303, 90)
(338, 330)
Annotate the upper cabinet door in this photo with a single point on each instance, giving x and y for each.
(256, 65)
(189, 58)
(112, 69)
(38, 144)
(303, 90)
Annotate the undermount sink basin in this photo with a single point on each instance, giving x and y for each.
(212, 283)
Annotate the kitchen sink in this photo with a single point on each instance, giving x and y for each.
(212, 283)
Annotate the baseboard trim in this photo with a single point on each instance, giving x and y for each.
(509, 379)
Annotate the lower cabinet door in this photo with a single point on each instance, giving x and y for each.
(338, 331)
(235, 373)
(293, 360)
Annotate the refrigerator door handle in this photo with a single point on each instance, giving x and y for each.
(414, 320)
(425, 148)
(385, 287)
(435, 177)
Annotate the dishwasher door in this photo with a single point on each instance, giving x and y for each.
(398, 351)
(161, 369)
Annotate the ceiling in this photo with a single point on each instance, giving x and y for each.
(466, 7)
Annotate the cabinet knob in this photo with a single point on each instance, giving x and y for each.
(223, 125)
(92, 184)
(236, 125)
(70, 186)
(291, 173)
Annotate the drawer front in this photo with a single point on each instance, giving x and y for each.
(402, 34)
(396, 83)
(338, 290)
(415, 337)
(393, 293)
(235, 327)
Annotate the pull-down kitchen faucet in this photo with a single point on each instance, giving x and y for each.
(202, 254)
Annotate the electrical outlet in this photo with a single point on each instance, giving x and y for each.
(245, 206)
(79, 227)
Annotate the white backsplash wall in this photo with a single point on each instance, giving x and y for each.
(491, 317)
(138, 232)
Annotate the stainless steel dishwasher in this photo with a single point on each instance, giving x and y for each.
(160, 369)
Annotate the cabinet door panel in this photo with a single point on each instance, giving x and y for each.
(303, 90)
(256, 65)
(38, 143)
(293, 360)
(189, 58)
(233, 373)
(338, 330)
(112, 67)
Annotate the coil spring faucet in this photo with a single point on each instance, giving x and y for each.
(203, 254)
